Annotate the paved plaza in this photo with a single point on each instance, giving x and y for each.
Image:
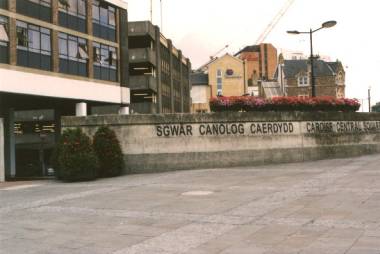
(330, 206)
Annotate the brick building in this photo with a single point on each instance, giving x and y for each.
(261, 64)
(294, 77)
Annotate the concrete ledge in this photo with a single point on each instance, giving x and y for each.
(156, 143)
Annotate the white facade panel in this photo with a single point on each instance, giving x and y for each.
(199, 94)
(20, 82)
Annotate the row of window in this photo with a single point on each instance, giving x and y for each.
(72, 14)
(34, 50)
(219, 82)
(4, 40)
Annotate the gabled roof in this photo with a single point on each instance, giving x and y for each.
(294, 67)
(335, 66)
(199, 78)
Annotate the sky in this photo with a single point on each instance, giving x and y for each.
(200, 28)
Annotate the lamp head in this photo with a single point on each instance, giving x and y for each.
(293, 32)
(329, 24)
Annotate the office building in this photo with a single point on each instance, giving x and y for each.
(159, 73)
(57, 57)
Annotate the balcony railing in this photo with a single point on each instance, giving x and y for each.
(144, 55)
(143, 82)
(143, 108)
(141, 28)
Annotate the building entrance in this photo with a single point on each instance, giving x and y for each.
(34, 133)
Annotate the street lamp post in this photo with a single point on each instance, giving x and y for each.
(327, 24)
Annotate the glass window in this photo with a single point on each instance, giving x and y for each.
(22, 34)
(34, 39)
(73, 49)
(3, 30)
(105, 62)
(96, 49)
(63, 4)
(63, 46)
(82, 7)
(73, 6)
(82, 48)
(103, 16)
(72, 55)
(33, 46)
(95, 11)
(103, 13)
(111, 16)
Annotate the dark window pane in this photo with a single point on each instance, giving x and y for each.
(82, 69)
(97, 72)
(104, 32)
(22, 39)
(96, 29)
(81, 25)
(113, 75)
(45, 13)
(22, 57)
(111, 34)
(45, 62)
(34, 60)
(63, 66)
(4, 4)
(62, 19)
(3, 54)
(73, 67)
(104, 73)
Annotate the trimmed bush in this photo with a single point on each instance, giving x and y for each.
(108, 150)
(74, 158)
(251, 103)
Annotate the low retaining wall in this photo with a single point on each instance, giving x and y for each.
(2, 166)
(153, 143)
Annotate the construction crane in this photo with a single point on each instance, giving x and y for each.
(274, 22)
(219, 51)
(213, 57)
(151, 13)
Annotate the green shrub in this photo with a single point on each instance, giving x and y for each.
(108, 150)
(74, 158)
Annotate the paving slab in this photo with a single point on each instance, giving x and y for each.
(329, 206)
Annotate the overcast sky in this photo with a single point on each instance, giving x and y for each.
(201, 27)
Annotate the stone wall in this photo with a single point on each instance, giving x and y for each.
(2, 167)
(153, 143)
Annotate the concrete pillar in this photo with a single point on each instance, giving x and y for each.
(170, 47)
(124, 110)
(90, 52)
(10, 145)
(181, 80)
(158, 69)
(122, 27)
(81, 109)
(2, 166)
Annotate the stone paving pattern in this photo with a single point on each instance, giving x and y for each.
(330, 206)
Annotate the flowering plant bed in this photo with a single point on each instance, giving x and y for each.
(251, 103)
